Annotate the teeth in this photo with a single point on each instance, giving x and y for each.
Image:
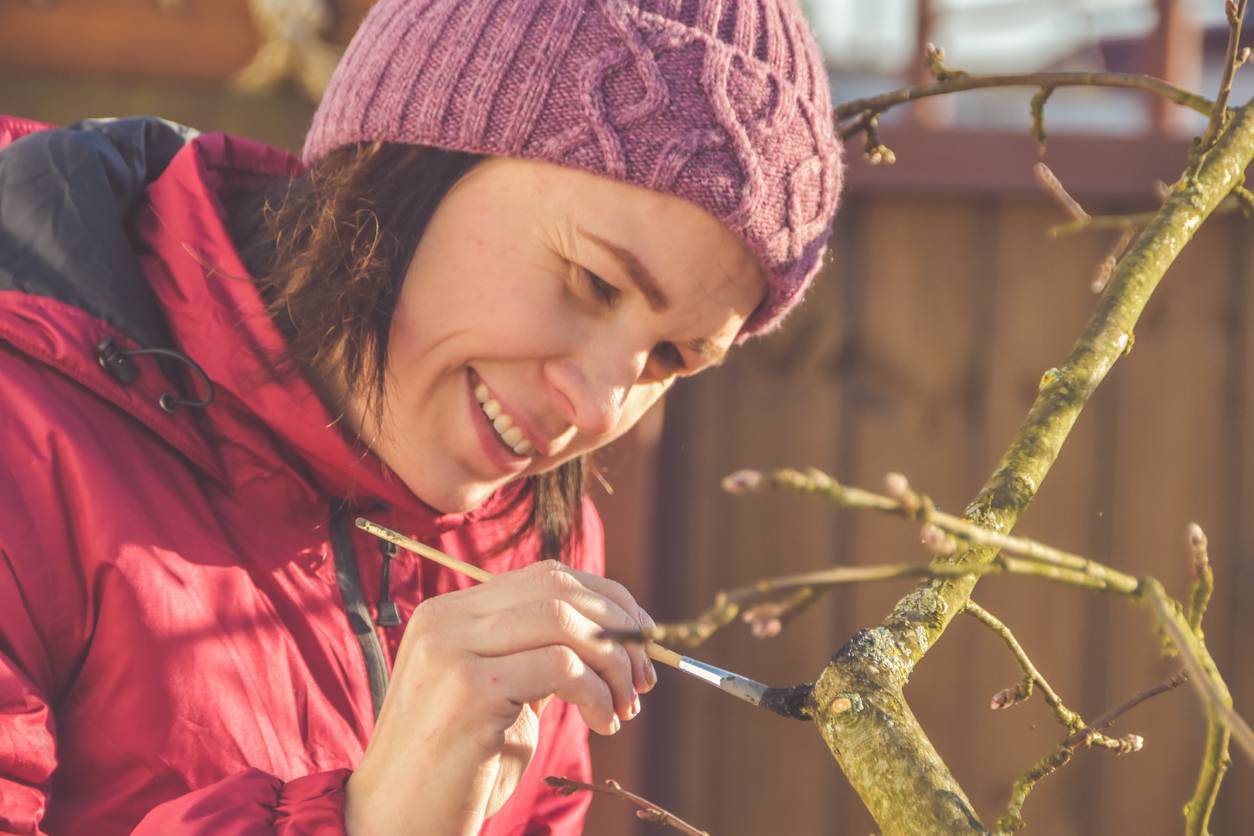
(502, 423)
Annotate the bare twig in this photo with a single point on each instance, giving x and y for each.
(1203, 578)
(648, 810)
(1031, 676)
(1174, 681)
(1235, 10)
(1053, 187)
(874, 151)
(1201, 667)
(1245, 199)
(1133, 221)
(1037, 106)
(904, 501)
(1087, 736)
(957, 82)
(779, 591)
(934, 60)
(732, 603)
(768, 619)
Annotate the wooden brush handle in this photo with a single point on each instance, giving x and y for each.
(654, 650)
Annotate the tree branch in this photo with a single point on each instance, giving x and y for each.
(879, 744)
(903, 501)
(961, 82)
(1235, 10)
(1222, 723)
(1085, 737)
(1031, 676)
(1203, 578)
(1023, 556)
(1174, 681)
(1128, 222)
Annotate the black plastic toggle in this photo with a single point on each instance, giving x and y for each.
(117, 362)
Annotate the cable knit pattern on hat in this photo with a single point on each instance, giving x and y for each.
(722, 102)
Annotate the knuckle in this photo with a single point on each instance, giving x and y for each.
(618, 591)
(558, 613)
(620, 657)
(554, 574)
(565, 662)
(545, 567)
(429, 613)
(646, 621)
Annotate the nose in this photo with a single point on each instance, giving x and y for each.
(592, 388)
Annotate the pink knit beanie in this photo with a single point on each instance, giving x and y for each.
(722, 102)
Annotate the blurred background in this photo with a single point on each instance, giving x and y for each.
(920, 351)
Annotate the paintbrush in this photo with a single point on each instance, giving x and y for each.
(787, 702)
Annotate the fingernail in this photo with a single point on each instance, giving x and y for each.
(650, 672)
(635, 705)
(615, 725)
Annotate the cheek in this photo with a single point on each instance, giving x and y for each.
(639, 401)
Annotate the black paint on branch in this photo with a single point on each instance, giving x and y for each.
(875, 738)
(791, 702)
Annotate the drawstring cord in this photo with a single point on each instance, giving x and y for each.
(117, 362)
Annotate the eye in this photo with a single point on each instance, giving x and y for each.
(669, 359)
(603, 290)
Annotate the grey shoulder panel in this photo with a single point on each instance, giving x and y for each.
(66, 200)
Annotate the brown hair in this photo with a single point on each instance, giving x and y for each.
(329, 250)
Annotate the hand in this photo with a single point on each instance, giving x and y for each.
(475, 668)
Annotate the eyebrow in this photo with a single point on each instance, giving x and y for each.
(651, 289)
(649, 286)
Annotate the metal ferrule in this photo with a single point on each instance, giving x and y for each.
(733, 683)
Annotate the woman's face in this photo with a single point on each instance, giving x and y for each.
(544, 311)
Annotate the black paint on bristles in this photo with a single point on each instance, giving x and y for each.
(791, 702)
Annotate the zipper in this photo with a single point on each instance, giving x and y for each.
(389, 615)
(355, 608)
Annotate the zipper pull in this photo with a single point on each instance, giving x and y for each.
(389, 615)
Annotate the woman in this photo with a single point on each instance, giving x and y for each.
(516, 223)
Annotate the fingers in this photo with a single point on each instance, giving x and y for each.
(531, 675)
(553, 621)
(603, 601)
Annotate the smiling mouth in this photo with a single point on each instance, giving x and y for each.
(510, 436)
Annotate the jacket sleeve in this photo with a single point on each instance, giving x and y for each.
(27, 727)
(254, 803)
(251, 802)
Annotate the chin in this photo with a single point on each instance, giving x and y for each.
(458, 500)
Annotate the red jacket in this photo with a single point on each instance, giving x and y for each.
(189, 623)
